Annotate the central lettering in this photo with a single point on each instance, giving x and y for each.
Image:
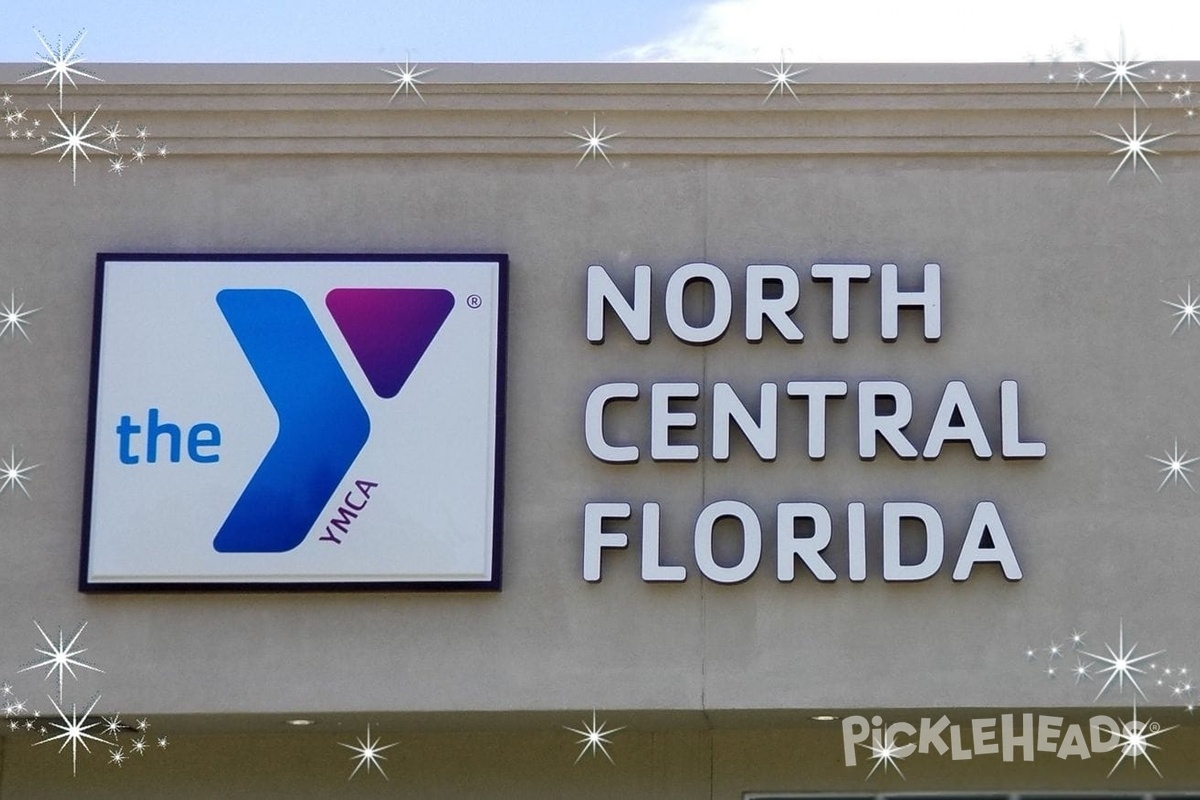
(683, 421)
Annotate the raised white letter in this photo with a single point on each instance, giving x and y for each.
(595, 539)
(856, 540)
(889, 426)
(722, 303)
(751, 539)
(652, 570)
(809, 548)
(663, 419)
(928, 299)
(593, 425)
(841, 275)
(986, 521)
(817, 393)
(957, 398)
(776, 309)
(893, 570)
(634, 316)
(1011, 445)
(727, 408)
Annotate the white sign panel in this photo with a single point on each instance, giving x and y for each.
(296, 420)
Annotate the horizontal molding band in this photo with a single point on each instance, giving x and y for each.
(217, 109)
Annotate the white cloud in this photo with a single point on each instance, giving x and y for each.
(918, 30)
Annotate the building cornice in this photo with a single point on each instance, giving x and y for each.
(887, 110)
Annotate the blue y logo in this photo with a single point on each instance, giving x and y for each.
(323, 425)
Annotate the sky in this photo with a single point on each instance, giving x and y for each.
(798, 31)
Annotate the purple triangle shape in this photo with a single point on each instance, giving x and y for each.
(389, 330)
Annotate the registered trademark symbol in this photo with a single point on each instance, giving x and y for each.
(1155, 727)
(474, 301)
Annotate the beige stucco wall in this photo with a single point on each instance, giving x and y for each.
(1051, 276)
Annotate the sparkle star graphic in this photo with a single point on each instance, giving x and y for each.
(112, 133)
(1121, 73)
(1134, 740)
(886, 753)
(1181, 95)
(112, 725)
(594, 141)
(1189, 310)
(74, 140)
(1134, 146)
(781, 78)
(12, 473)
(368, 753)
(1176, 466)
(60, 62)
(1122, 664)
(1082, 671)
(117, 757)
(12, 315)
(74, 731)
(594, 738)
(407, 78)
(61, 658)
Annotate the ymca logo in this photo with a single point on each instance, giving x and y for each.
(388, 330)
(247, 408)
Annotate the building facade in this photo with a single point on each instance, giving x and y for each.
(858, 402)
